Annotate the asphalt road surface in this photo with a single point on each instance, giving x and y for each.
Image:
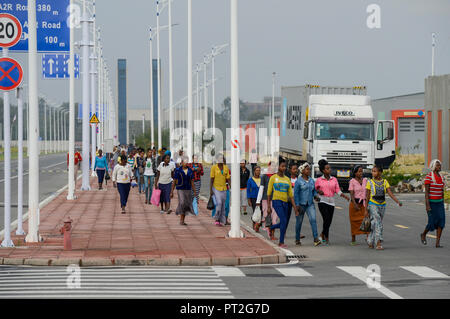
(52, 177)
(407, 269)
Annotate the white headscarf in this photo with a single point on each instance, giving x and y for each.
(303, 166)
(433, 164)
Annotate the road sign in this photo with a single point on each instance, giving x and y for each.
(11, 74)
(94, 119)
(10, 30)
(52, 16)
(56, 66)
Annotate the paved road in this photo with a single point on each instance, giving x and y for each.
(407, 268)
(402, 226)
(52, 177)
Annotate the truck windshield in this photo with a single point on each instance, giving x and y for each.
(344, 131)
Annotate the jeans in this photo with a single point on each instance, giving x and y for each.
(124, 191)
(148, 185)
(138, 180)
(311, 212)
(101, 175)
(281, 208)
(327, 212)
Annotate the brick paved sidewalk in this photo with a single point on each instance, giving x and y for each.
(102, 236)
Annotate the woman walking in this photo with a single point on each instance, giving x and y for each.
(220, 175)
(140, 168)
(327, 186)
(244, 177)
(357, 188)
(183, 180)
(100, 166)
(122, 176)
(376, 188)
(163, 182)
(304, 195)
(262, 196)
(149, 175)
(253, 185)
(434, 200)
(197, 169)
(279, 193)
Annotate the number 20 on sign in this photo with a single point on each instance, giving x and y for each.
(10, 30)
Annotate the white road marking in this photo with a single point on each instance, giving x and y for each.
(425, 272)
(361, 274)
(401, 226)
(293, 272)
(40, 170)
(228, 272)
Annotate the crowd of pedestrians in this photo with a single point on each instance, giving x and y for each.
(275, 192)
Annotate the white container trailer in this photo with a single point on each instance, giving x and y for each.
(336, 124)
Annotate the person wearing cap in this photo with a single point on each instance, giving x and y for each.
(244, 177)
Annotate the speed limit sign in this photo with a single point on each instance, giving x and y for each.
(10, 30)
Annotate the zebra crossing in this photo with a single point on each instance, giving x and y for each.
(111, 282)
(173, 282)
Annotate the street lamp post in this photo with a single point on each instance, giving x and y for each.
(71, 177)
(235, 231)
(189, 75)
(217, 50)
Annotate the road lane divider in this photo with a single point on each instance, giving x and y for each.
(425, 272)
(401, 226)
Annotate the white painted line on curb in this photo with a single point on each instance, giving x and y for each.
(425, 272)
(361, 273)
(293, 272)
(228, 271)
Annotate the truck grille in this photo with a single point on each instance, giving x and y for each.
(345, 157)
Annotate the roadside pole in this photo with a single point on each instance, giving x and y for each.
(235, 231)
(19, 230)
(33, 146)
(7, 242)
(152, 106)
(45, 128)
(85, 69)
(71, 178)
(158, 74)
(93, 98)
(170, 78)
(189, 75)
(205, 92)
(213, 93)
(55, 143)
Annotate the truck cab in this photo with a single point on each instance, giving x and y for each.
(341, 129)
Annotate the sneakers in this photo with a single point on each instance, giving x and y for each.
(217, 223)
(282, 245)
(161, 211)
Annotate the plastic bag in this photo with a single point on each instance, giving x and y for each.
(210, 205)
(195, 206)
(155, 197)
(257, 215)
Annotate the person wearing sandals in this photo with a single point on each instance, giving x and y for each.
(376, 189)
(197, 169)
(163, 182)
(327, 186)
(122, 176)
(357, 188)
(149, 175)
(304, 195)
(434, 201)
(100, 167)
(279, 193)
(183, 180)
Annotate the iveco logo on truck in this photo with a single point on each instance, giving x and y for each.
(344, 113)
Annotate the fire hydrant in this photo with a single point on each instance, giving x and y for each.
(67, 231)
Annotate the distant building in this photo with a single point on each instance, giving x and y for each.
(407, 111)
(122, 99)
(437, 118)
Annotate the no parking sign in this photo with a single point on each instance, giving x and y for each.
(11, 74)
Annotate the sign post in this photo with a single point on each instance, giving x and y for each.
(11, 75)
(19, 230)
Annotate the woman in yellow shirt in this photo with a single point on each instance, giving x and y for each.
(220, 175)
(279, 192)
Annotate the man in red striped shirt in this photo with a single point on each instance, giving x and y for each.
(434, 201)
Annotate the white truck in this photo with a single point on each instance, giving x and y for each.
(336, 124)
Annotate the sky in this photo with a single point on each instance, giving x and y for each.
(324, 42)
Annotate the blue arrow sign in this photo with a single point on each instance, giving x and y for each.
(56, 66)
(53, 34)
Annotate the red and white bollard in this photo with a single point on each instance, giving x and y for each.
(67, 231)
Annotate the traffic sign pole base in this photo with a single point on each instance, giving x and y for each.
(7, 243)
(241, 235)
(20, 233)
